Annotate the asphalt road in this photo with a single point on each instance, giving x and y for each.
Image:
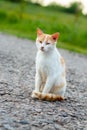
(18, 111)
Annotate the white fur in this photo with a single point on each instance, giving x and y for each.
(49, 69)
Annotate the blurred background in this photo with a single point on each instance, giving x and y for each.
(69, 17)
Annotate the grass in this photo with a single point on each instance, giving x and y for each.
(23, 23)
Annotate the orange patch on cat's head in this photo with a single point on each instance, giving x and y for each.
(41, 38)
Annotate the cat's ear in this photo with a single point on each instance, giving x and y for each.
(55, 36)
(39, 32)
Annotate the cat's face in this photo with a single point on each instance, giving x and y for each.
(46, 42)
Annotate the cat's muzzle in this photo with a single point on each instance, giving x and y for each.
(42, 48)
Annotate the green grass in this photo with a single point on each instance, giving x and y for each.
(23, 23)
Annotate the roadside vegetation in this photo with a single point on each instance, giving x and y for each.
(22, 19)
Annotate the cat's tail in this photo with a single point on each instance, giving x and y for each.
(48, 96)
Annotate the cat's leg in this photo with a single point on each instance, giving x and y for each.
(60, 86)
(42, 86)
(46, 89)
(59, 89)
(48, 85)
(38, 83)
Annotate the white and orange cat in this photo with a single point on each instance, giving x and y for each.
(50, 80)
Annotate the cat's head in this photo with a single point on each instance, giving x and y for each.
(46, 42)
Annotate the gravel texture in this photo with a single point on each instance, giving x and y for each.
(18, 111)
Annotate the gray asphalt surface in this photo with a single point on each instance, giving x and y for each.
(18, 111)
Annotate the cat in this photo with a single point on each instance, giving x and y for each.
(50, 79)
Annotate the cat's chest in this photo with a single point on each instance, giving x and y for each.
(47, 63)
(43, 66)
(43, 63)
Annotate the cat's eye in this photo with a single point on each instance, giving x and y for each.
(47, 43)
(40, 41)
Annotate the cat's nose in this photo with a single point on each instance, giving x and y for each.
(42, 48)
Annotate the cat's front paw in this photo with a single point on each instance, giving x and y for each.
(34, 94)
